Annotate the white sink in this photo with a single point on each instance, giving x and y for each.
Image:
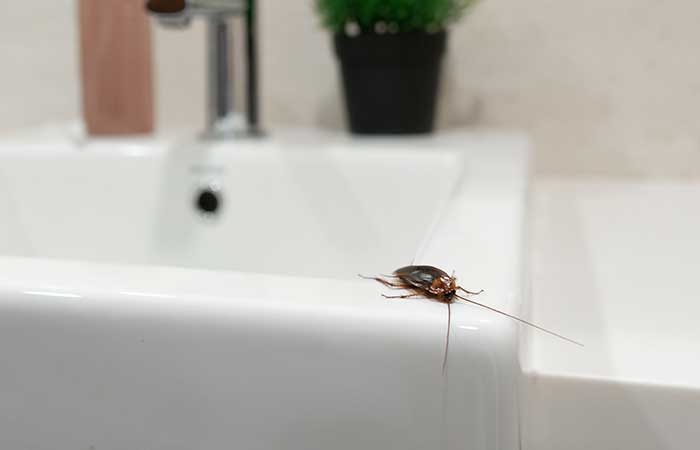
(129, 320)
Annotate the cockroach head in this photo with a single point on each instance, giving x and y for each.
(449, 282)
(444, 285)
(451, 287)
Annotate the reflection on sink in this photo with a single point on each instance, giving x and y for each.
(129, 320)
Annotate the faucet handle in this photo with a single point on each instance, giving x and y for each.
(170, 13)
(166, 6)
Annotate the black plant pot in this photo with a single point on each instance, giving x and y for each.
(391, 80)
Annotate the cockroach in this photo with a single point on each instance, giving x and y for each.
(435, 284)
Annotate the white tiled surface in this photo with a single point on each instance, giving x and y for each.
(39, 70)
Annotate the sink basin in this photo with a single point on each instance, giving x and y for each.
(285, 209)
(131, 319)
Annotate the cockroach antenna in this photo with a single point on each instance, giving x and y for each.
(519, 320)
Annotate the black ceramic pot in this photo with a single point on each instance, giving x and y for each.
(391, 80)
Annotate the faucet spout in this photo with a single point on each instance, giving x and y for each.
(220, 81)
(221, 118)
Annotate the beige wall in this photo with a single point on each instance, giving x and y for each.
(605, 87)
(38, 71)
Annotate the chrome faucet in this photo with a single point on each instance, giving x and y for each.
(221, 121)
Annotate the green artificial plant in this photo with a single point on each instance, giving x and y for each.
(390, 15)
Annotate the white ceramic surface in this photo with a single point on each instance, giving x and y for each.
(616, 264)
(129, 321)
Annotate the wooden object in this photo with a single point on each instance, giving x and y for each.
(115, 38)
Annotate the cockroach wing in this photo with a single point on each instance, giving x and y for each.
(420, 276)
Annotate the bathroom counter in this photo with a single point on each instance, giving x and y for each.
(615, 265)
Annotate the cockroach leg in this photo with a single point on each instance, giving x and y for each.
(469, 292)
(381, 275)
(402, 296)
(384, 282)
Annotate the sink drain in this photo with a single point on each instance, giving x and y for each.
(208, 200)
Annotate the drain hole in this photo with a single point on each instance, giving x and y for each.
(208, 202)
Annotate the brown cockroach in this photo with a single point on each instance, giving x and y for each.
(435, 284)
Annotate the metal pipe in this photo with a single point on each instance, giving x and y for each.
(220, 82)
(219, 112)
(251, 52)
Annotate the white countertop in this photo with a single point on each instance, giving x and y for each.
(616, 265)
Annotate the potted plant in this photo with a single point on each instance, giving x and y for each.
(390, 53)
